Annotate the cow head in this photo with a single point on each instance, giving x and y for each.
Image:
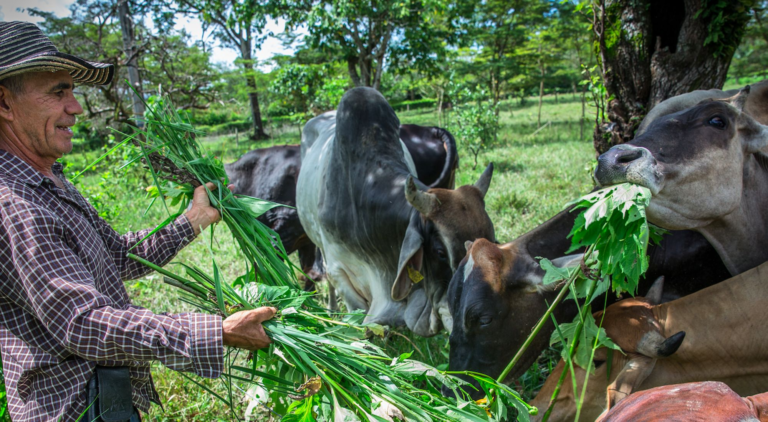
(495, 297)
(693, 161)
(442, 221)
(631, 324)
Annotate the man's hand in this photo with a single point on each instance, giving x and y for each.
(243, 329)
(201, 214)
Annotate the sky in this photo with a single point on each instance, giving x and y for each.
(10, 11)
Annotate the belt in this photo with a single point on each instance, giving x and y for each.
(109, 396)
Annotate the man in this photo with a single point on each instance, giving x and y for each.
(64, 310)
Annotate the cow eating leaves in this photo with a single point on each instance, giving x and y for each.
(707, 170)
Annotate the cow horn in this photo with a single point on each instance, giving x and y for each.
(671, 344)
(654, 293)
(654, 345)
(468, 245)
(424, 202)
(568, 261)
(484, 182)
(740, 99)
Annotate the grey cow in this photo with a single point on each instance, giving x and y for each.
(390, 244)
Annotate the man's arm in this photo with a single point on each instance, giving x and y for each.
(47, 279)
(162, 246)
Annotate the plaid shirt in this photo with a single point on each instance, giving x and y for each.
(63, 305)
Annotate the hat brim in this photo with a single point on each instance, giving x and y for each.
(82, 71)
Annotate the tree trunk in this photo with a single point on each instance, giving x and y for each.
(131, 57)
(583, 110)
(352, 69)
(253, 96)
(541, 84)
(651, 50)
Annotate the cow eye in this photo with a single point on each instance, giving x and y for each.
(598, 363)
(717, 122)
(485, 320)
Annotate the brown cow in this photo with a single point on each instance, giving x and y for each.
(496, 296)
(726, 340)
(697, 401)
(707, 172)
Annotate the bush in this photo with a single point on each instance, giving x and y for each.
(477, 121)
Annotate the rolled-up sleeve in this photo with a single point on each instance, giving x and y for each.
(56, 287)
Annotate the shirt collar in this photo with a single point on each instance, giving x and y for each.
(20, 169)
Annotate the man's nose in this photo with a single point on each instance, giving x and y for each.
(73, 106)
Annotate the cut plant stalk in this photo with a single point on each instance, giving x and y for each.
(349, 376)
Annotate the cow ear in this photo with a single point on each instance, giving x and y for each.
(754, 136)
(484, 182)
(411, 260)
(629, 379)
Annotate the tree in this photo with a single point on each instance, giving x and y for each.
(238, 24)
(650, 50)
(365, 34)
(503, 30)
(751, 58)
(93, 31)
(131, 54)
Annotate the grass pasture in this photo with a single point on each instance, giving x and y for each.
(536, 172)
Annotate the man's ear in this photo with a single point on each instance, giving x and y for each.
(6, 102)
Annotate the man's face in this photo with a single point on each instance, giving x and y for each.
(44, 113)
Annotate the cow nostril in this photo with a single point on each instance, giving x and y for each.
(627, 156)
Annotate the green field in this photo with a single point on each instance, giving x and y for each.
(537, 172)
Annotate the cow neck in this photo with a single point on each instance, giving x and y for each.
(550, 239)
(741, 237)
(726, 339)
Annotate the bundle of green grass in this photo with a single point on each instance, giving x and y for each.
(320, 365)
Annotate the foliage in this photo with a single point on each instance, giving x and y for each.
(477, 121)
(614, 222)
(726, 22)
(166, 59)
(306, 88)
(614, 228)
(4, 415)
(751, 57)
(615, 232)
(366, 34)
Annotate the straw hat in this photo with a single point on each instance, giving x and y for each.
(24, 48)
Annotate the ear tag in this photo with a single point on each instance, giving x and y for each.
(414, 274)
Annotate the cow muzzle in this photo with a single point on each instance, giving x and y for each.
(628, 163)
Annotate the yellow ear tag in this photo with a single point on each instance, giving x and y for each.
(414, 275)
